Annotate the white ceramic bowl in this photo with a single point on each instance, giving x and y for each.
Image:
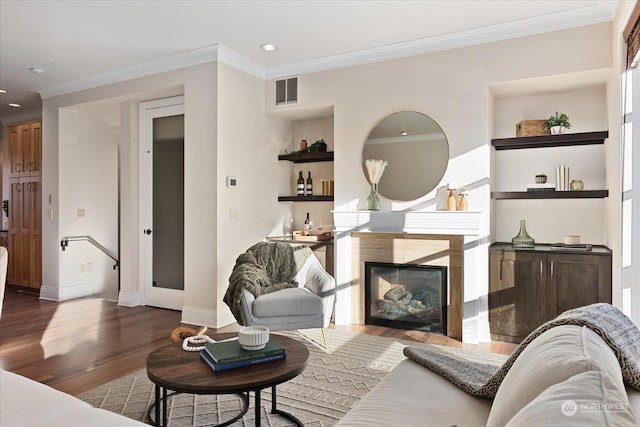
(571, 239)
(253, 337)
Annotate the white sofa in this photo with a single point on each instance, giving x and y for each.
(28, 403)
(565, 364)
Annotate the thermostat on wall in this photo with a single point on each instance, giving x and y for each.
(231, 181)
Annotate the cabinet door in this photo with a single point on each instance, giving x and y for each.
(25, 234)
(517, 293)
(25, 150)
(16, 165)
(32, 218)
(576, 280)
(32, 150)
(14, 272)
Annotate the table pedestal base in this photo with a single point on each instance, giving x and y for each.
(161, 405)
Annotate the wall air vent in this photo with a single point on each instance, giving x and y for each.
(287, 91)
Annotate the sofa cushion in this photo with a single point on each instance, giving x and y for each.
(19, 396)
(587, 399)
(411, 396)
(553, 357)
(287, 302)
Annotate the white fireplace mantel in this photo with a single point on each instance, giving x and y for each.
(418, 222)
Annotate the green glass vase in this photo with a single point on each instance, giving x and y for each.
(522, 239)
(373, 201)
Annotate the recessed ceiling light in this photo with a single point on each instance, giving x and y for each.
(269, 47)
(13, 104)
(404, 133)
(36, 70)
(3, 91)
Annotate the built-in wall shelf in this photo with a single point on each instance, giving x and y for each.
(584, 194)
(305, 198)
(321, 156)
(547, 141)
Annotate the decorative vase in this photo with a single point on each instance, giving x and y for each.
(576, 185)
(522, 239)
(373, 201)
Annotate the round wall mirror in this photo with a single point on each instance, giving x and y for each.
(417, 151)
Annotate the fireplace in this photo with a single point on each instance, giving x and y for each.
(406, 296)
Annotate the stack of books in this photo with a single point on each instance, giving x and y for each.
(225, 355)
(566, 247)
(541, 187)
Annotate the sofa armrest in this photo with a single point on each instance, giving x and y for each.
(321, 283)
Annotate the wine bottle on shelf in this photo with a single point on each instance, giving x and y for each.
(309, 185)
(306, 230)
(300, 187)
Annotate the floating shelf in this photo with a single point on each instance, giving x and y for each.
(584, 194)
(546, 141)
(305, 198)
(322, 156)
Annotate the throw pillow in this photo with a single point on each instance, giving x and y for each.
(586, 399)
(553, 357)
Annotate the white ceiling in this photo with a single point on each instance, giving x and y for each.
(81, 44)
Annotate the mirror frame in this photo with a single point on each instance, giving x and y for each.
(413, 158)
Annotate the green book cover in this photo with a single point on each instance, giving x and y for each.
(232, 351)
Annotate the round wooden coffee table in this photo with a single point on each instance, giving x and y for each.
(172, 368)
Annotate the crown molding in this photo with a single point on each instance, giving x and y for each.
(603, 11)
(525, 27)
(155, 66)
(203, 55)
(234, 59)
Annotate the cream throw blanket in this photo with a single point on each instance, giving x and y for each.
(477, 379)
(265, 267)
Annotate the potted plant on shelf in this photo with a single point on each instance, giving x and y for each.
(557, 123)
(541, 178)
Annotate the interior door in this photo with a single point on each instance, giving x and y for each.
(162, 199)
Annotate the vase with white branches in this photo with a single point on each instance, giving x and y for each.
(375, 168)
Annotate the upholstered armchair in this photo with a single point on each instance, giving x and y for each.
(306, 302)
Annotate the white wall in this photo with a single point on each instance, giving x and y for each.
(88, 165)
(248, 146)
(198, 84)
(452, 87)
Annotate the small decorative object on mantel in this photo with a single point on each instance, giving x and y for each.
(375, 169)
(451, 200)
(541, 178)
(462, 201)
(576, 185)
(522, 240)
(557, 123)
(531, 128)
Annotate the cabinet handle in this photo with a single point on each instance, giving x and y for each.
(551, 269)
(541, 269)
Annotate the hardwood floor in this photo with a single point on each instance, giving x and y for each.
(76, 345)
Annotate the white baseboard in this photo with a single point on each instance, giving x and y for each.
(53, 293)
(129, 299)
(199, 316)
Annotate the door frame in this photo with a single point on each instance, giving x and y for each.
(154, 296)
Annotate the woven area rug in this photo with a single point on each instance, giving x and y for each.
(334, 380)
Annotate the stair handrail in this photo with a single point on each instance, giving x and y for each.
(64, 242)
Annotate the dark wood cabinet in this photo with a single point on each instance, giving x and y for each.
(527, 287)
